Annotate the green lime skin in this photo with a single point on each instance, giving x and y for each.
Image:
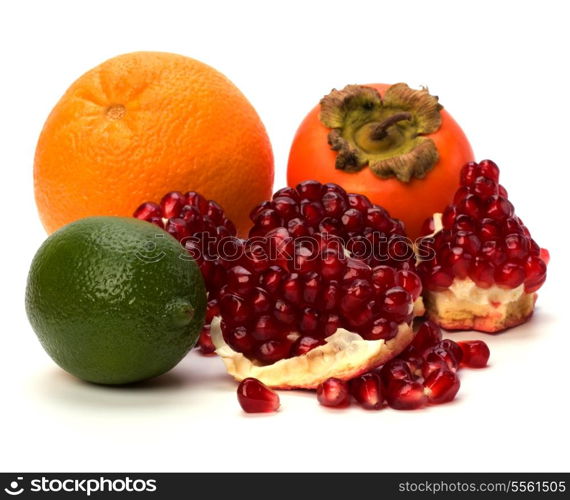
(115, 300)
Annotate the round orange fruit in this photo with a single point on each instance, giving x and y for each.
(143, 124)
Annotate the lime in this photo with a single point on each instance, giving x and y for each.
(115, 300)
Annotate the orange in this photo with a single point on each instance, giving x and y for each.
(143, 124)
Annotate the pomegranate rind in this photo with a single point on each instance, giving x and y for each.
(344, 355)
(465, 306)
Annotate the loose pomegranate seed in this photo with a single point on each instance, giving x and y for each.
(438, 353)
(475, 353)
(367, 391)
(172, 203)
(395, 369)
(148, 211)
(429, 367)
(441, 386)
(255, 397)
(405, 394)
(428, 334)
(334, 393)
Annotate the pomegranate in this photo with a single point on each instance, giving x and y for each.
(255, 397)
(480, 266)
(326, 289)
(334, 393)
(207, 234)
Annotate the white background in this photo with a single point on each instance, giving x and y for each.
(500, 68)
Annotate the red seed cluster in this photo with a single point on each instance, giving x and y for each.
(482, 238)
(425, 373)
(366, 230)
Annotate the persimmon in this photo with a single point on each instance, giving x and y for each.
(396, 145)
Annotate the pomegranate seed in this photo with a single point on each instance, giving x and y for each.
(205, 344)
(468, 241)
(383, 278)
(148, 211)
(288, 192)
(410, 282)
(330, 297)
(428, 334)
(453, 348)
(234, 308)
(381, 328)
(516, 247)
(310, 190)
(305, 344)
(472, 205)
(356, 295)
(489, 230)
(489, 169)
(305, 260)
(458, 261)
(438, 279)
(397, 304)
(469, 173)
(286, 207)
(395, 369)
(334, 204)
(239, 339)
(545, 255)
(509, 275)
(352, 220)
(330, 186)
(293, 289)
(334, 393)
(329, 323)
(255, 397)
(312, 288)
(367, 391)
(273, 350)
(405, 394)
(499, 208)
(428, 226)
(449, 216)
(359, 202)
(475, 353)
(332, 265)
(284, 312)
(535, 270)
(195, 199)
(266, 328)
(267, 219)
(460, 195)
(172, 203)
(441, 386)
(357, 269)
(271, 278)
(260, 301)
(298, 227)
(437, 353)
(482, 272)
(240, 280)
(484, 187)
(492, 252)
(466, 223)
(377, 218)
(313, 213)
(309, 321)
(429, 367)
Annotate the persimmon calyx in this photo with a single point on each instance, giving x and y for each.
(386, 134)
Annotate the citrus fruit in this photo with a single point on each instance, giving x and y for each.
(115, 300)
(143, 124)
